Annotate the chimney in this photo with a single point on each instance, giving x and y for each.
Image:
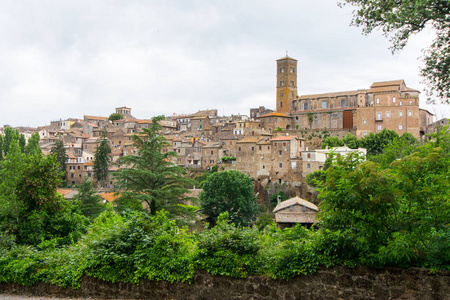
(278, 199)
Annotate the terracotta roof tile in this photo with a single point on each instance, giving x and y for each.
(295, 201)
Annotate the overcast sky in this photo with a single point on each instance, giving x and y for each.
(66, 59)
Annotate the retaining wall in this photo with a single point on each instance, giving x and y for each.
(333, 283)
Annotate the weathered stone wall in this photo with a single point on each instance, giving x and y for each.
(334, 283)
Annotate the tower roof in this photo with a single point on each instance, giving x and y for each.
(286, 57)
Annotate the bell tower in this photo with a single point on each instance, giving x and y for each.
(286, 83)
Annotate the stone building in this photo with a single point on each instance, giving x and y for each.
(247, 159)
(286, 159)
(211, 154)
(293, 211)
(275, 120)
(388, 104)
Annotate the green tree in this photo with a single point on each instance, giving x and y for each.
(150, 178)
(30, 207)
(351, 141)
(402, 18)
(396, 149)
(115, 116)
(10, 135)
(394, 214)
(33, 146)
(232, 192)
(332, 141)
(22, 143)
(11, 169)
(102, 160)
(89, 202)
(59, 151)
(375, 143)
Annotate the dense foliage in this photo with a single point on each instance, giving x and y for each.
(231, 192)
(375, 143)
(31, 210)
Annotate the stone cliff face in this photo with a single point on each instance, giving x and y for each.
(333, 283)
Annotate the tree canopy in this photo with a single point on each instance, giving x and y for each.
(102, 160)
(150, 178)
(394, 212)
(399, 20)
(115, 116)
(231, 192)
(31, 209)
(59, 151)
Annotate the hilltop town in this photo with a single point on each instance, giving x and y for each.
(276, 148)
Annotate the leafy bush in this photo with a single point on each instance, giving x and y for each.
(228, 250)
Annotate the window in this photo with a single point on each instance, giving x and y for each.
(308, 155)
(378, 100)
(410, 101)
(200, 126)
(400, 127)
(364, 133)
(379, 127)
(292, 83)
(365, 122)
(305, 106)
(292, 69)
(393, 100)
(71, 175)
(78, 167)
(211, 161)
(260, 148)
(308, 166)
(400, 103)
(378, 116)
(292, 94)
(342, 103)
(281, 94)
(239, 149)
(280, 152)
(324, 104)
(282, 83)
(401, 114)
(253, 148)
(410, 113)
(388, 114)
(284, 144)
(281, 165)
(281, 105)
(212, 152)
(282, 70)
(275, 144)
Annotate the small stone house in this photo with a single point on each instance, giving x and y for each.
(295, 210)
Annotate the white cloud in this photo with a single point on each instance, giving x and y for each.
(65, 59)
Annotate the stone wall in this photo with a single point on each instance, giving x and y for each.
(333, 283)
